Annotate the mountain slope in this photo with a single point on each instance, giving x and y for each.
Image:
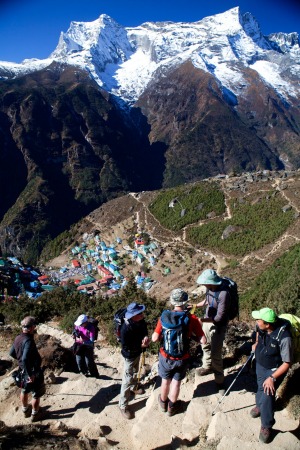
(115, 109)
(65, 151)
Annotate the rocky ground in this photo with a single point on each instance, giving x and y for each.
(82, 413)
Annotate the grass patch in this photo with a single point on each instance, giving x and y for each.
(257, 223)
(197, 201)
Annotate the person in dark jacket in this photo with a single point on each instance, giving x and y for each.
(134, 339)
(29, 361)
(214, 323)
(273, 355)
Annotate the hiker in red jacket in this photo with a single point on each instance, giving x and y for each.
(175, 329)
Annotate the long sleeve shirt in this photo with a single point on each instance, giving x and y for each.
(218, 303)
(132, 334)
(85, 335)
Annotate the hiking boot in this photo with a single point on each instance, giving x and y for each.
(26, 412)
(221, 388)
(163, 404)
(126, 413)
(35, 417)
(255, 412)
(176, 408)
(138, 391)
(202, 372)
(265, 435)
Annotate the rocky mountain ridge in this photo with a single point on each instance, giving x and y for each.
(114, 55)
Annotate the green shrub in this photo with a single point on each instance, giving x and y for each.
(277, 287)
(66, 304)
(257, 224)
(197, 201)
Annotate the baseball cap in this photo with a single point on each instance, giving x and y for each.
(265, 314)
(80, 320)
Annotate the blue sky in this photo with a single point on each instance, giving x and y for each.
(31, 28)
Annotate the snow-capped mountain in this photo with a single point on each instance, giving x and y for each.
(116, 109)
(124, 60)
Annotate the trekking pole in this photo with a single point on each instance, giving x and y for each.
(220, 401)
(193, 309)
(142, 363)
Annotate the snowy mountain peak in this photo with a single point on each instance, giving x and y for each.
(103, 39)
(124, 60)
(287, 42)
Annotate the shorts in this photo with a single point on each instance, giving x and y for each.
(172, 368)
(37, 388)
(36, 391)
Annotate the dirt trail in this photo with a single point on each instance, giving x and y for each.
(91, 407)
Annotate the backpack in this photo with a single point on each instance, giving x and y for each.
(295, 332)
(231, 287)
(95, 323)
(175, 333)
(119, 318)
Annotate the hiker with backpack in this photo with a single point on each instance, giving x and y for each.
(174, 330)
(134, 339)
(218, 303)
(273, 354)
(29, 377)
(84, 334)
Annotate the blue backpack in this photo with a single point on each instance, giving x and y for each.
(175, 333)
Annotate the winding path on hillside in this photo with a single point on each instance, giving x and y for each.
(218, 258)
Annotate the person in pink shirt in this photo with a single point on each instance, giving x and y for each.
(84, 333)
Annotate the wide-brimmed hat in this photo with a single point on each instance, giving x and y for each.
(209, 276)
(133, 310)
(28, 322)
(80, 320)
(265, 314)
(178, 297)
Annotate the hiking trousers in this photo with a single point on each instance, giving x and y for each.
(265, 402)
(212, 350)
(85, 361)
(131, 368)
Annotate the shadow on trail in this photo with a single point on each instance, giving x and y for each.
(245, 381)
(95, 405)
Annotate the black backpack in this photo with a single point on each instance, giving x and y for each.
(231, 287)
(119, 319)
(175, 333)
(95, 323)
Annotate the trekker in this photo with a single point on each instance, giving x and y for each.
(214, 323)
(273, 354)
(172, 369)
(29, 361)
(134, 339)
(84, 334)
